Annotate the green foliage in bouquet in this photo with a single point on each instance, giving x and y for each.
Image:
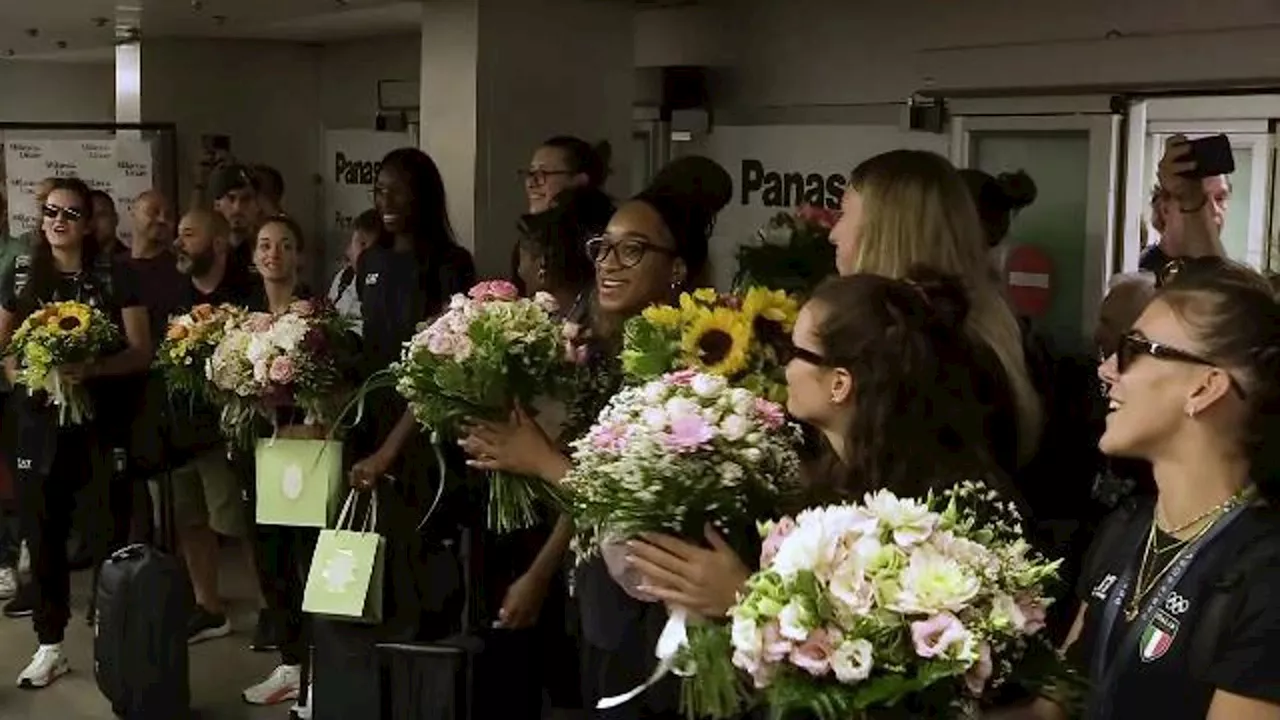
(792, 252)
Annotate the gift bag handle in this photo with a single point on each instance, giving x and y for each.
(346, 520)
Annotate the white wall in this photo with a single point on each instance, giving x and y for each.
(32, 91)
(350, 71)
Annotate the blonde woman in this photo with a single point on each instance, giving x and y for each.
(908, 207)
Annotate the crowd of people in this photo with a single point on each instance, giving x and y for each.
(910, 369)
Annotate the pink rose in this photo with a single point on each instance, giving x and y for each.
(682, 378)
(776, 647)
(612, 438)
(1033, 614)
(777, 533)
(935, 636)
(259, 322)
(770, 413)
(814, 654)
(281, 371)
(302, 308)
(815, 215)
(493, 290)
(978, 675)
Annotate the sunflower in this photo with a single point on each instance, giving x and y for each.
(664, 316)
(718, 341)
(706, 296)
(73, 318)
(772, 306)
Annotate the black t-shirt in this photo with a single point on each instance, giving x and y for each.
(161, 287)
(1163, 677)
(108, 285)
(257, 299)
(1153, 259)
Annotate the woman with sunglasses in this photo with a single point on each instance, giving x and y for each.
(55, 462)
(883, 371)
(654, 247)
(1178, 615)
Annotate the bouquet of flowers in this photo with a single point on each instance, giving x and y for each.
(742, 337)
(62, 333)
(793, 251)
(264, 362)
(895, 608)
(674, 455)
(188, 344)
(489, 350)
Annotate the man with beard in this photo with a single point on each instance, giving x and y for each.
(206, 492)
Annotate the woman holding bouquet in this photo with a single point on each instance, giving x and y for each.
(1179, 616)
(654, 246)
(56, 459)
(282, 553)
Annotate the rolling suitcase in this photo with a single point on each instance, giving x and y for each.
(144, 604)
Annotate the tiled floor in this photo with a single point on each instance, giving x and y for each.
(220, 669)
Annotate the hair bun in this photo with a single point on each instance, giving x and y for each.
(946, 295)
(1018, 188)
(699, 181)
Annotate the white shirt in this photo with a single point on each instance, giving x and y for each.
(346, 299)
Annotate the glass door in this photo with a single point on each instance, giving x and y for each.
(1073, 160)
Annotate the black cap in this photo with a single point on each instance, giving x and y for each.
(228, 178)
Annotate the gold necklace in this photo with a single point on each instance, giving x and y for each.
(1215, 510)
(1149, 553)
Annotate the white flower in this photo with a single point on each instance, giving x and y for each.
(808, 547)
(793, 621)
(654, 418)
(747, 636)
(546, 301)
(852, 661)
(910, 520)
(933, 582)
(851, 587)
(734, 427)
(707, 386)
(678, 407)
(654, 392)
(730, 471)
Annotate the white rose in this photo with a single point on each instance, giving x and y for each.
(734, 427)
(707, 386)
(849, 585)
(654, 393)
(793, 622)
(742, 400)
(808, 547)
(678, 407)
(852, 661)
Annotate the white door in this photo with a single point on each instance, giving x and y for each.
(1073, 160)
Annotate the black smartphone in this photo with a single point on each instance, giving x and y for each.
(1212, 156)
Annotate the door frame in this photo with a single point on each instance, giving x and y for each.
(1104, 133)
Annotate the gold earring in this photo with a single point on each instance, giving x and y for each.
(1191, 412)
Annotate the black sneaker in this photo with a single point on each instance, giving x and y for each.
(205, 625)
(267, 635)
(23, 604)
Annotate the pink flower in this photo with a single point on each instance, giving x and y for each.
(978, 675)
(281, 371)
(1033, 614)
(682, 378)
(259, 322)
(935, 636)
(611, 438)
(814, 654)
(493, 290)
(303, 308)
(688, 433)
(815, 215)
(773, 542)
(770, 413)
(776, 647)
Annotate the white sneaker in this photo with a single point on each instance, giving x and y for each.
(281, 686)
(47, 665)
(24, 560)
(298, 712)
(8, 583)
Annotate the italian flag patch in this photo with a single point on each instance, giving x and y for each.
(1158, 637)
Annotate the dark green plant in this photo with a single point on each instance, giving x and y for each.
(792, 252)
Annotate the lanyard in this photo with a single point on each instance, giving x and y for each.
(1103, 676)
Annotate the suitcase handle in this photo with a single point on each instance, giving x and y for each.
(126, 553)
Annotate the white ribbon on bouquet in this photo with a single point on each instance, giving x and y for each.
(674, 638)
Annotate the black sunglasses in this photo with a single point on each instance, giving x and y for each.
(1131, 346)
(53, 212)
(1179, 266)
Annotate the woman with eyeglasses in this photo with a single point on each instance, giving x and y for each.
(1178, 616)
(55, 462)
(655, 246)
(562, 163)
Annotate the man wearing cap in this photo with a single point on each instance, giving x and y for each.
(235, 197)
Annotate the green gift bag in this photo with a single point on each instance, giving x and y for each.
(345, 581)
(299, 482)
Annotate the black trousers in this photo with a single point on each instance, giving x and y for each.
(283, 557)
(53, 466)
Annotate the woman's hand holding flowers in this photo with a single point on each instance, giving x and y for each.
(704, 580)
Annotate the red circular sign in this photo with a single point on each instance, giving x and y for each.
(1028, 273)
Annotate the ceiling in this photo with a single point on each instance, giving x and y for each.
(87, 29)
